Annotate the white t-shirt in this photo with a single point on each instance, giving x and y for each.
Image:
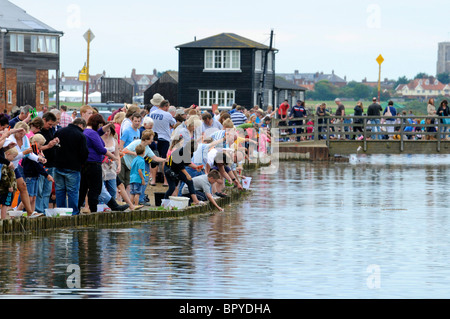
(162, 121)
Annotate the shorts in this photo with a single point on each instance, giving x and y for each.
(32, 185)
(6, 198)
(136, 188)
(124, 174)
(19, 172)
(163, 148)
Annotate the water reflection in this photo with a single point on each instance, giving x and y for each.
(311, 230)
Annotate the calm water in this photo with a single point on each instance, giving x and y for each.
(375, 228)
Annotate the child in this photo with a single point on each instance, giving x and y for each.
(8, 184)
(137, 172)
(32, 170)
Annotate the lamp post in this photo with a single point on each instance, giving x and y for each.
(380, 60)
(88, 36)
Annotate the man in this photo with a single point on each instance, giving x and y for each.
(238, 117)
(45, 186)
(374, 109)
(282, 112)
(298, 111)
(156, 101)
(126, 123)
(203, 185)
(131, 133)
(340, 111)
(66, 119)
(233, 109)
(43, 111)
(57, 125)
(70, 156)
(25, 116)
(210, 125)
(390, 111)
(162, 124)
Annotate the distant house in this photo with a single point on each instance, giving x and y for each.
(310, 79)
(424, 88)
(72, 83)
(28, 50)
(285, 90)
(167, 86)
(385, 85)
(141, 82)
(225, 69)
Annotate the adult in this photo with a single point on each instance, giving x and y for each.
(340, 111)
(203, 185)
(117, 120)
(24, 116)
(156, 102)
(358, 120)
(91, 173)
(66, 119)
(210, 125)
(162, 124)
(375, 109)
(132, 132)
(123, 109)
(321, 112)
(127, 122)
(44, 185)
(110, 168)
(43, 111)
(391, 112)
(431, 108)
(35, 125)
(22, 143)
(443, 113)
(57, 125)
(70, 157)
(283, 112)
(297, 112)
(238, 116)
(86, 111)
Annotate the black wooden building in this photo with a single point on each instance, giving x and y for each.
(225, 69)
(28, 50)
(167, 86)
(116, 90)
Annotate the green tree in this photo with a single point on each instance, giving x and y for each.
(444, 77)
(324, 90)
(421, 75)
(401, 80)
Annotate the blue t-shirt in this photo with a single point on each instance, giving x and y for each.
(129, 135)
(128, 159)
(138, 163)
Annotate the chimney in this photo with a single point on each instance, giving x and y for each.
(332, 72)
(155, 72)
(104, 73)
(296, 72)
(133, 73)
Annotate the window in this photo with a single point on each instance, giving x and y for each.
(219, 97)
(16, 42)
(41, 97)
(9, 97)
(270, 62)
(222, 60)
(258, 60)
(43, 44)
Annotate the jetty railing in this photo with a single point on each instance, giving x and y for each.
(398, 128)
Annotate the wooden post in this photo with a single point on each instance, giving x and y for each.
(365, 134)
(316, 128)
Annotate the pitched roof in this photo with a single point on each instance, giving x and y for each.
(281, 83)
(225, 40)
(433, 84)
(13, 18)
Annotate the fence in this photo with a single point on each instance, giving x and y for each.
(364, 128)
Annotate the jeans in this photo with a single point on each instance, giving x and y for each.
(376, 128)
(146, 178)
(44, 191)
(193, 173)
(67, 188)
(105, 195)
(111, 187)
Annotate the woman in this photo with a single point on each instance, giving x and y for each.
(91, 172)
(22, 143)
(110, 169)
(359, 110)
(35, 126)
(118, 118)
(175, 170)
(431, 109)
(443, 113)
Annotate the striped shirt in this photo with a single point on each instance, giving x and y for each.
(238, 118)
(66, 119)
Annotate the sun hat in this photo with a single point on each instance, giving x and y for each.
(157, 99)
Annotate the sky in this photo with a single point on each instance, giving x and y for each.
(311, 36)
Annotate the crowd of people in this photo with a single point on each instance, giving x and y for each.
(78, 160)
(387, 126)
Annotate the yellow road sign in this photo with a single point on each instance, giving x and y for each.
(82, 76)
(380, 59)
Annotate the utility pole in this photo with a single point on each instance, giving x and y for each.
(263, 80)
(88, 36)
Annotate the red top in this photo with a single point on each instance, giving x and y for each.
(282, 110)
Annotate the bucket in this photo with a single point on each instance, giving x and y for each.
(246, 182)
(158, 198)
(165, 203)
(179, 202)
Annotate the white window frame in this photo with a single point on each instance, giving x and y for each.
(270, 61)
(222, 60)
(206, 98)
(9, 96)
(17, 42)
(44, 44)
(258, 60)
(42, 97)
